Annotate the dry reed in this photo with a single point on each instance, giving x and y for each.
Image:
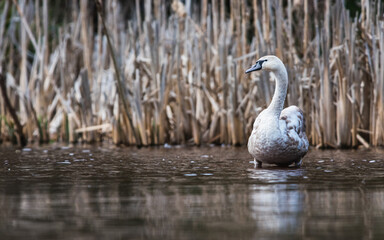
(154, 72)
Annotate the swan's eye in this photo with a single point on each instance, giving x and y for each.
(262, 61)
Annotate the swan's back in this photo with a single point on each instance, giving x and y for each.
(292, 125)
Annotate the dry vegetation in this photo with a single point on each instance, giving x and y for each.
(172, 72)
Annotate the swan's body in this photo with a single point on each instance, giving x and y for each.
(278, 136)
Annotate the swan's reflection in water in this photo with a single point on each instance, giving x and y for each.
(275, 174)
(276, 207)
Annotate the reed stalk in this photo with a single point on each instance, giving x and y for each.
(119, 84)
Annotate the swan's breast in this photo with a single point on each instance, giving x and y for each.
(266, 137)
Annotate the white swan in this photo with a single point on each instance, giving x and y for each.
(278, 136)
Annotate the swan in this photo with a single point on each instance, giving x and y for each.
(278, 135)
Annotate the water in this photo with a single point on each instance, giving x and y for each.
(188, 193)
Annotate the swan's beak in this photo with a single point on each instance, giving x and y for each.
(255, 67)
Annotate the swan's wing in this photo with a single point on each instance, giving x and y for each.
(292, 123)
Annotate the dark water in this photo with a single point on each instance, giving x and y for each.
(188, 193)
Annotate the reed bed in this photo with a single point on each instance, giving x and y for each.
(158, 71)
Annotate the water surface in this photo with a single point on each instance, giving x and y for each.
(188, 193)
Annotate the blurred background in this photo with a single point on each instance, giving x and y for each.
(150, 72)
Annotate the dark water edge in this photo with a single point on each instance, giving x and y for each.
(106, 192)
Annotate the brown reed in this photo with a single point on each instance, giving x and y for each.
(181, 69)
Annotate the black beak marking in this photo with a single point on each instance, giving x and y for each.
(258, 66)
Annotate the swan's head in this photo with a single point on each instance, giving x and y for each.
(269, 63)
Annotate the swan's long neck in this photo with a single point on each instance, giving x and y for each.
(277, 103)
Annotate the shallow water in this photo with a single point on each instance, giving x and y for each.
(188, 193)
